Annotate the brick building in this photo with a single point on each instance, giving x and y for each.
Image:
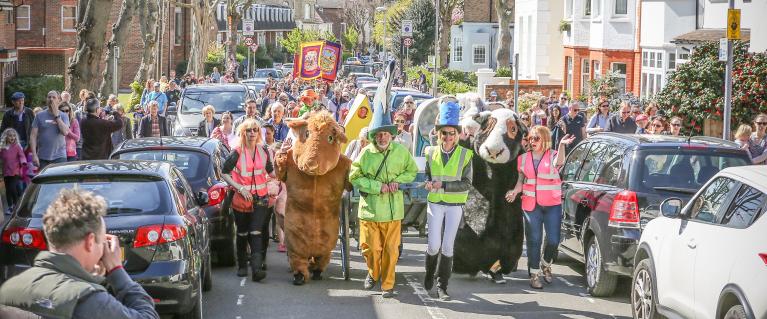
(8, 54)
(46, 38)
(603, 35)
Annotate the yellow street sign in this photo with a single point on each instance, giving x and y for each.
(733, 24)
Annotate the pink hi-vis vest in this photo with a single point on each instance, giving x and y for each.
(544, 188)
(249, 173)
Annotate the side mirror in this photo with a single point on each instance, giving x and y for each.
(202, 198)
(671, 207)
(172, 109)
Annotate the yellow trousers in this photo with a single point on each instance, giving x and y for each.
(379, 242)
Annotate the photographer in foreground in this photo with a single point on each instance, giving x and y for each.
(66, 281)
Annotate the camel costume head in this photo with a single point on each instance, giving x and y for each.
(317, 147)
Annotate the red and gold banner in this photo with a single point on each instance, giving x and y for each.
(318, 59)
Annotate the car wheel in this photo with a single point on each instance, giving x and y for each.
(225, 255)
(600, 282)
(644, 299)
(736, 312)
(207, 277)
(196, 312)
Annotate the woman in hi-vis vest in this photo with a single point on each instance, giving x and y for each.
(448, 175)
(247, 170)
(541, 191)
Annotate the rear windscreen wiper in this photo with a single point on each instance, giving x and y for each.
(675, 189)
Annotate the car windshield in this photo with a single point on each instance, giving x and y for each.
(124, 195)
(685, 170)
(265, 73)
(401, 98)
(194, 165)
(194, 101)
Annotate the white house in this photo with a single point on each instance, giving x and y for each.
(602, 37)
(473, 43)
(672, 28)
(539, 41)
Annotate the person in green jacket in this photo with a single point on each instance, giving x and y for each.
(377, 173)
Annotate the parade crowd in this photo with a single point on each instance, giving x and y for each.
(64, 130)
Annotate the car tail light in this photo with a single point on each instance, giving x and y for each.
(158, 234)
(25, 237)
(216, 194)
(764, 258)
(625, 210)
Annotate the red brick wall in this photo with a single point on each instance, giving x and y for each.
(606, 58)
(34, 36)
(480, 11)
(7, 30)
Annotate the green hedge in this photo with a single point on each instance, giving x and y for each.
(450, 81)
(35, 88)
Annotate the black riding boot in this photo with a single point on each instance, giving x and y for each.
(431, 267)
(443, 276)
(256, 258)
(241, 242)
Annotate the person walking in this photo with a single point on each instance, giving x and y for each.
(14, 166)
(574, 124)
(541, 191)
(19, 118)
(251, 112)
(281, 129)
(376, 173)
(555, 114)
(758, 148)
(74, 131)
(159, 97)
(247, 170)
(622, 122)
(47, 137)
(209, 122)
(448, 179)
(126, 132)
(153, 125)
(225, 132)
(598, 121)
(64, 282)
(675, 126)
(97, 132)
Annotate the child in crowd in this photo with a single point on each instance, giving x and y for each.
(14, 163)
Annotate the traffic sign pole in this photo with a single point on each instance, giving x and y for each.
(733, 33)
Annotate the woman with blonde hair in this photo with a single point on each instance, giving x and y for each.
(209, 121)
(675, 126)
(14, 165)
(247, 170)
(758, 143)
(541, 191)
(73, 136)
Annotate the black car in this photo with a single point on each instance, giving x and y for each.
(613, 184)
(151, 209)
(200, 160)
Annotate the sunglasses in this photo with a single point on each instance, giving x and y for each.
(625, 112)
(534, 138)
(676, 124)
(399, 121)
(658, 125)
(637, 112)
(64, 110)
(606, 105)
(761, 123)
(447, 133)
(251, 130)
(525, 118)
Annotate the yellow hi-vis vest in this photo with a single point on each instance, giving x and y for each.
(452, 171)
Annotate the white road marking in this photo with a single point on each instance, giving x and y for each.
(242, 282)
(591, 300)
(238, 317)
(239, 299)
(565, 281)
(431, 306)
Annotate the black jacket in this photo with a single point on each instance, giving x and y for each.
(145, 126)
(97, 136)
(7, 122)
(201, 131)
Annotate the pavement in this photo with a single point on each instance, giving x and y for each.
(234, 297)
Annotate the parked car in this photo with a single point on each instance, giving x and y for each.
(151, 209)
(224, 97)
(707, 259)
(287, 68)
(265, 73)
(365, 59)
(200, 160)
(613, 184)
(255, 84)
(399, 94)
(353, 60)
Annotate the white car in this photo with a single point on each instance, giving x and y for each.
(707, 259)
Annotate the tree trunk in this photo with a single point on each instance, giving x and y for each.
(147, 14)
(233, 19)
(445, 23)
(120, 31)
(505, 9)
(83, 68)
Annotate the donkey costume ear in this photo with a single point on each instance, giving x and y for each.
(297, 124)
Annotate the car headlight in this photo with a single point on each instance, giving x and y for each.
(179, 130)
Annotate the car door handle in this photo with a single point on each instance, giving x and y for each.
(692, 244)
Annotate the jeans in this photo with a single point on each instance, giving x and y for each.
(542, 217)
(44, 163)
(12, 194)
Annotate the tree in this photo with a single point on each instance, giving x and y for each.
(446, 8)
(234, 11)
(120, 31)
(293, 40)
(350, 39)
(149, 27)
(505, 9)
(358, 15)
(83, 68)
(696, 89)
(422, 14)
(203, 18)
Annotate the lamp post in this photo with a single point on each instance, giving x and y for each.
(386, 26)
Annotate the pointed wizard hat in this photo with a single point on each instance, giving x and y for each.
(381, 121)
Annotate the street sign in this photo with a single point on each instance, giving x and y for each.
(733, 24)
(249, 41)
(723, 50)
(248, 26)
(254, 47)
(407, 28)
(407, 42)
